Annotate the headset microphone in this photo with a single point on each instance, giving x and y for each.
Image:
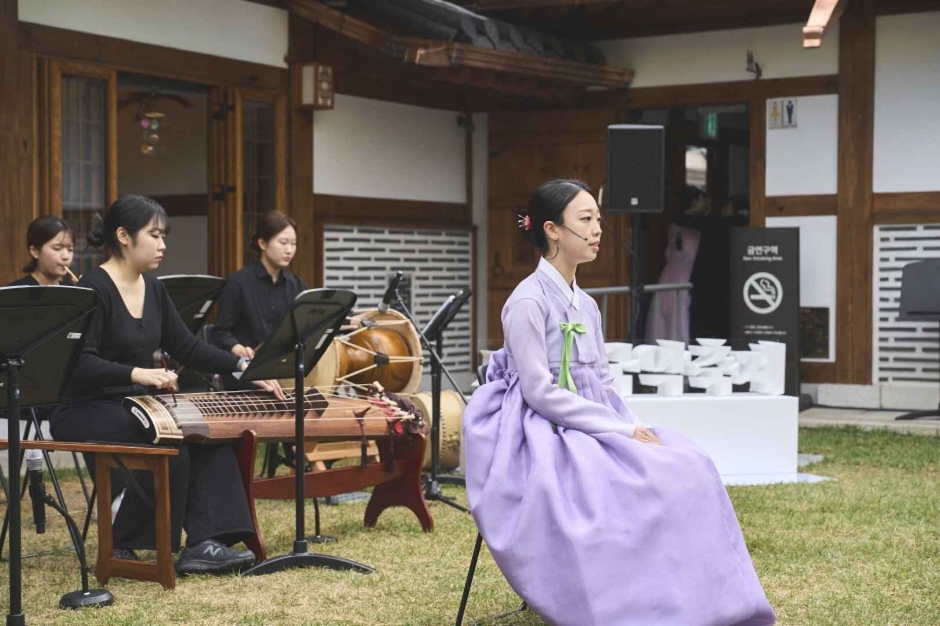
(576, 234)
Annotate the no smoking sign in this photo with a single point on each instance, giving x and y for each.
(763, 293)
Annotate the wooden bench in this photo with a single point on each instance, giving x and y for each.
(154, 459)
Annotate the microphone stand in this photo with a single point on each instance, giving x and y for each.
(433, 489)
(84, 598)
(12, 365)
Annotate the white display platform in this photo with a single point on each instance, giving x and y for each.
(752, 438)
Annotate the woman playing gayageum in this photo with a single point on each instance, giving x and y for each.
(594, 518)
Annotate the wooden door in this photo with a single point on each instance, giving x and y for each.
(527, 149)
(248, 170)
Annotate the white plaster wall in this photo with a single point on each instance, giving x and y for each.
(804, 160)
(235, 29)
(817, 265)
(375, 149)
(720, 56)
(907, 103)
(480, 205)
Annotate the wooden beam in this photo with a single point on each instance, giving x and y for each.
(132, 56)
(365, 72)
(823, 15)
(444, 54)
(384, 212)
(309, 261)
(731, 92)
(854, 196)
(504, 5)
(800, 206)
(906, 203)
(922, 207)
(816, 372)
(185, 205)
(16, 143)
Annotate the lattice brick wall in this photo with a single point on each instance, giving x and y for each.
(903, 351)
(438, 262)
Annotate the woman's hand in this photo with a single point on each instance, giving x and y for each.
(158, 378)
(271, 386)
(645, 435)
(243, 351)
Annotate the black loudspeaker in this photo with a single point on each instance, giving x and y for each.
(635, 169)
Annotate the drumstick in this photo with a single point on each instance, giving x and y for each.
(167, 369)
(74, 277)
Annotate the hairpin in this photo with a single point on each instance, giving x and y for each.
(525, 222)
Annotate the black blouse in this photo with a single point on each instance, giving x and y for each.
(27, 280)
(116, 342)
(252, 304)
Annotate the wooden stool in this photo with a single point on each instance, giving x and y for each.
(108, 456)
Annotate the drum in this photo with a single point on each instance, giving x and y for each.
(451, 417)
(373, 347)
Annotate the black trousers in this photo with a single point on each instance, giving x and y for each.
(207, 497)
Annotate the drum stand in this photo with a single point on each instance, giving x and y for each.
(435, 328)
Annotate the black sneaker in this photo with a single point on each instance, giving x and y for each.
(124, 553)
(212, 557)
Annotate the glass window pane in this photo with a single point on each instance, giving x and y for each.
(259, 192)
(696, 167)
(84, 169)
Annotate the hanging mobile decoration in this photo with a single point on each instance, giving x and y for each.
(150, 123)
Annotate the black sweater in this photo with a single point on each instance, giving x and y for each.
(116, 343)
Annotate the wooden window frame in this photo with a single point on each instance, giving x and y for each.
(49, 130)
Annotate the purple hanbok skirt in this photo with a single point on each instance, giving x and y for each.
(602, 530)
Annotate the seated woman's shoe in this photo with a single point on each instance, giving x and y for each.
(212, 557)
(124, 553)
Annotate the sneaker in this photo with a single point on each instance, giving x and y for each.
(124, 553)
(212, 557)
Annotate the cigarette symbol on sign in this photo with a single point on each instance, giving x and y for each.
(763, 293)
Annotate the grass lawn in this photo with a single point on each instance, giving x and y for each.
(861, 550)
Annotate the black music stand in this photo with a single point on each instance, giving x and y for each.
(436, 326)
(44, 329)
(193, 296)
(293, 348)
(920, 302)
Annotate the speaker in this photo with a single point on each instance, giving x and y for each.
(635, 169)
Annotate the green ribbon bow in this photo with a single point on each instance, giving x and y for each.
(564, 376)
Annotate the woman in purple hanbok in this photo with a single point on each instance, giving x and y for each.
(594, 519)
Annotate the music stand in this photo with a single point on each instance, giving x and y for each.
(44, 330)
(438, 323)
(920, 302)
(193, 296)
(291, 350)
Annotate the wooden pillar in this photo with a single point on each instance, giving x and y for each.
(854, 194)
(16, 144)
(309, 260)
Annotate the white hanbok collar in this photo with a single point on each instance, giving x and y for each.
(569, 292)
